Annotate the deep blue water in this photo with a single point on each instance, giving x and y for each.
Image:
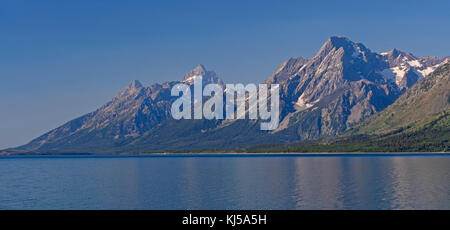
(277, 182)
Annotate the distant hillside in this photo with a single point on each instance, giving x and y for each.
(430, 135)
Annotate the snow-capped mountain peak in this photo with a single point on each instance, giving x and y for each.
(207, 76)
(405, 69)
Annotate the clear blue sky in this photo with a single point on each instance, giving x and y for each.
(60, 59)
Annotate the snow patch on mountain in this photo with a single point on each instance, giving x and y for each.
(399, 74)
(415, 63)
(428, 70)
(191, 80)
(302, 104)
(403, 64)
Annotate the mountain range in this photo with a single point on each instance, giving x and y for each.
(418, 121)
(345, 90)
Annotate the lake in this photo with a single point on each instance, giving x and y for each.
(225, 182)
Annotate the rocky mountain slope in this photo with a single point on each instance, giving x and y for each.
(337, 88)
(134, 111)
(418, 121)
(419, 104)
(406, 69)
(342, 85)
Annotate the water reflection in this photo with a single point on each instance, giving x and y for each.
(226, 183)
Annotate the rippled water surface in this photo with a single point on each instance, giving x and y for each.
(338, 182)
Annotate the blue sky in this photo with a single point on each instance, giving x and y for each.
(61, 59)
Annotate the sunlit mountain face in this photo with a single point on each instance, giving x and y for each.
(343, 84)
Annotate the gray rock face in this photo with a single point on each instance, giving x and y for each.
(340, 86)
(345, 83)
(419, 105)
(286, 70)
(405, 69)
(337, 88)
(134, 111)
(208, 77)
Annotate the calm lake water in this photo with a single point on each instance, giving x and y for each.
(339, 182)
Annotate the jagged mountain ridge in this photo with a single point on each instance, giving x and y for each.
(337, 88)
(406, 69)
(134, 111)
(354, 95)
(342, 85)
(428, 97)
